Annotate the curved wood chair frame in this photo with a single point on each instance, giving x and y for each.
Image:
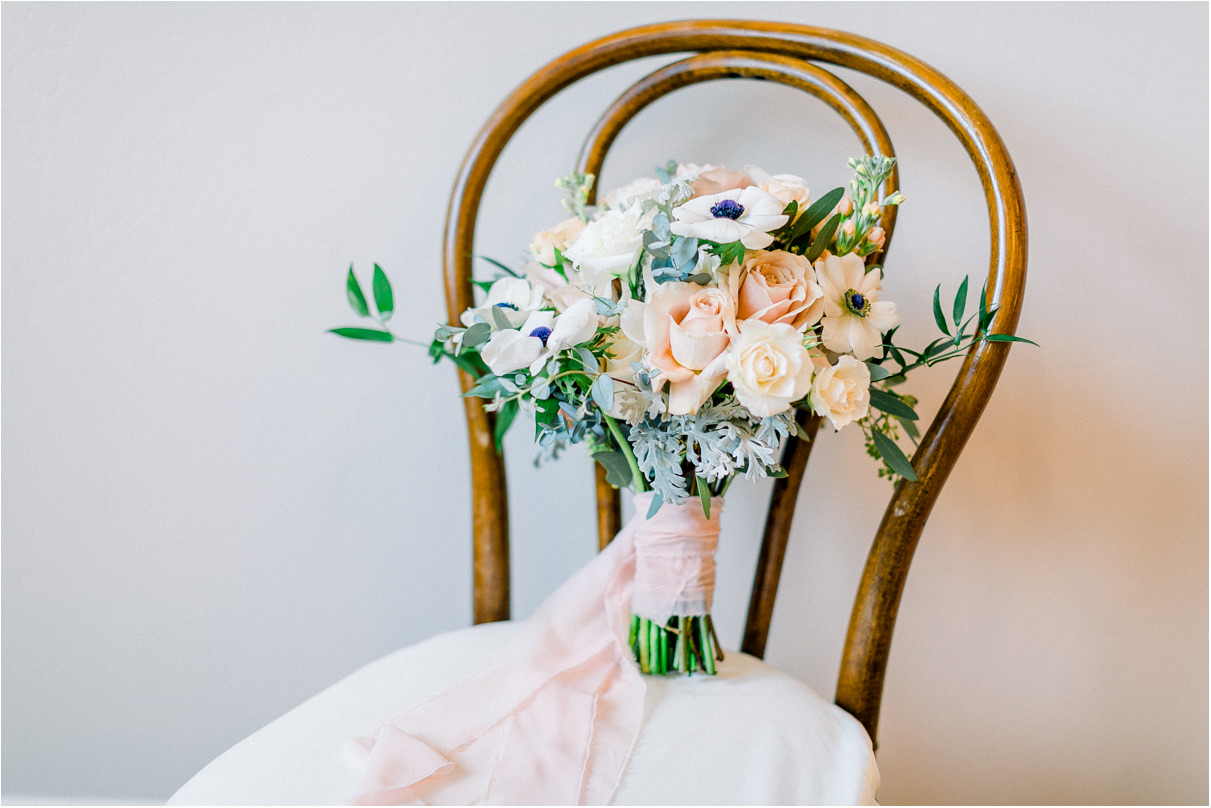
(783, 53)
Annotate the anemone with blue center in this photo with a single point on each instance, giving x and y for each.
(727, 209)
(857, 303)
(748, 215)
(542, 332)
(512, 306)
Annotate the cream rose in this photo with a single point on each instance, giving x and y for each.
(777, 287)
(768, 367)
(609, 246)
(686, 329)
(841, 393)
(559, 237)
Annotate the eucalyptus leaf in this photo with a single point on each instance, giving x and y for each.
(587, 359)
(384, 300)
(895, 458)
(877, 372)
(657, 501)
(476, 335)
(500, 319)
(357, 300)
(891, 405)
(485, 389)
(618, 471)
(702, 279)
(603, 392)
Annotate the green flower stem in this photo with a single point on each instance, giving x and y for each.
(643, 645)
(707, 656)
(624, 446)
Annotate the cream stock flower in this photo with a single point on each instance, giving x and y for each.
(686, 330)
(768, 367)
(559, 237)
(609, 245)
(854, 317)
(841, 393)
(776, 287)
(747, 215)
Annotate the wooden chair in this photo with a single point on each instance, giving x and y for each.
(783, 53)
(295, 760)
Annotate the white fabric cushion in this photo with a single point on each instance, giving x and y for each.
(751, 735)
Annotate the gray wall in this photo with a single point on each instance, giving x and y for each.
(212, 509)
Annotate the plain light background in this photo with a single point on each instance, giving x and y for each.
(212, 509)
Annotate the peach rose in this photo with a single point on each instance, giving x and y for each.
(717, 179)
(777, 287)
(686, 329)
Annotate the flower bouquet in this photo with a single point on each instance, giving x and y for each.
(677, 328)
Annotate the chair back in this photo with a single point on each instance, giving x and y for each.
(724, 49)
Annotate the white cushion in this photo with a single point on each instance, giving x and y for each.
(751, 735)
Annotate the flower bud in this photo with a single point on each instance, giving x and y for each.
(876, 236)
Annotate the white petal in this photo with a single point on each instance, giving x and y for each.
(510, 350)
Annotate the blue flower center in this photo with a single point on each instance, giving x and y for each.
(727, 209)
(857, 303)
(507, 306)
(542, 332)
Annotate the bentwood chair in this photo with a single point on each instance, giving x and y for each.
(297, 758)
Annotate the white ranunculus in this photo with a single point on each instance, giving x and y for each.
(608, 246)
(638, 191)
(747, 215)
(515, 297)
(768, 367)
(841, 393)
(854, 317)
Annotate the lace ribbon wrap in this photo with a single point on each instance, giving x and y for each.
(553, 718)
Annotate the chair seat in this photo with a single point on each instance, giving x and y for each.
(750, 735)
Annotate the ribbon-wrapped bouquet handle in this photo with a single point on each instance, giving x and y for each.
(553, 718)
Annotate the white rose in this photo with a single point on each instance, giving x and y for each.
(841, 393)
(638, 191)
(768, 367)
(608, 246)
(545, 244)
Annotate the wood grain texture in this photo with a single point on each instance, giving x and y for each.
(772, 50)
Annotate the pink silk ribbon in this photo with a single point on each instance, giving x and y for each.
(553, 718)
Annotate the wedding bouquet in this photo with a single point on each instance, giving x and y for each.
(678, 327)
